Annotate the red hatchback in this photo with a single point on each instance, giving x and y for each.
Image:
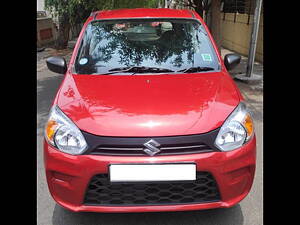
(147, 118)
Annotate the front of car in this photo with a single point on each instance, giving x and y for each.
(148, 119)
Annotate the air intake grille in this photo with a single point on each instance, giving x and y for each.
(101, 192)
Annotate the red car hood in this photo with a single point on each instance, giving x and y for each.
(148, 105)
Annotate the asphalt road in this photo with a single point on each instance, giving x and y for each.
(247, 212)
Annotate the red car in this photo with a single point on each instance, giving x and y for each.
(147, 118)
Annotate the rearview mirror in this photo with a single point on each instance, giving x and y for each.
(57, 64)
(231, 60)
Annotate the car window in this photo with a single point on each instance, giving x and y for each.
(173, 45)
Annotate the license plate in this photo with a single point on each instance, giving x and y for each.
(152, 172)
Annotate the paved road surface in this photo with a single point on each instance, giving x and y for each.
(247, 212)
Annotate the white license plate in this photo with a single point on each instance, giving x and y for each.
(152, 172)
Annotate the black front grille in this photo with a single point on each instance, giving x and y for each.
(164, 149)
(134, 146)
(101, 192)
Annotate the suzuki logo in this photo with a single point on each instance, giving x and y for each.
(151, 147)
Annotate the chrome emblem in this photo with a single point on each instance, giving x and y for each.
(151, 147)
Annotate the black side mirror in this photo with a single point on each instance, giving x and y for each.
(231, 61)
(57, 64)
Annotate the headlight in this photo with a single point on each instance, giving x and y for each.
(63, 134)
(237, 129)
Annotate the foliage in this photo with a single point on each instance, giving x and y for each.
(79, 10)
(75, 10)
(72, 12)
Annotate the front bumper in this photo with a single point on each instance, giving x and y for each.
(68, 176)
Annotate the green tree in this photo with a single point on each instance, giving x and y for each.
(71, 12)
(68, 13)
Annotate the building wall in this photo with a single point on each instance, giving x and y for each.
(236, 34)
(46, 32)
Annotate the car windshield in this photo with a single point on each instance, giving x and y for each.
(145, 46)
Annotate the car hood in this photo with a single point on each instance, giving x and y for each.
(148, 105)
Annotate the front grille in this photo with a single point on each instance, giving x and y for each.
(134, 146)
(137, 150)
(101, 192)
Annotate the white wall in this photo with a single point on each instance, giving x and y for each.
(40, 5)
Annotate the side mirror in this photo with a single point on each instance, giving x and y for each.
(57, 64)
(231, 61)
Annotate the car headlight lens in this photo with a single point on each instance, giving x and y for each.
(237, 129)
(63, 134)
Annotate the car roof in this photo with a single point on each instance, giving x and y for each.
(143, 13)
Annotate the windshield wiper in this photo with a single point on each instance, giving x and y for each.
(138, 69)
(196, 69)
